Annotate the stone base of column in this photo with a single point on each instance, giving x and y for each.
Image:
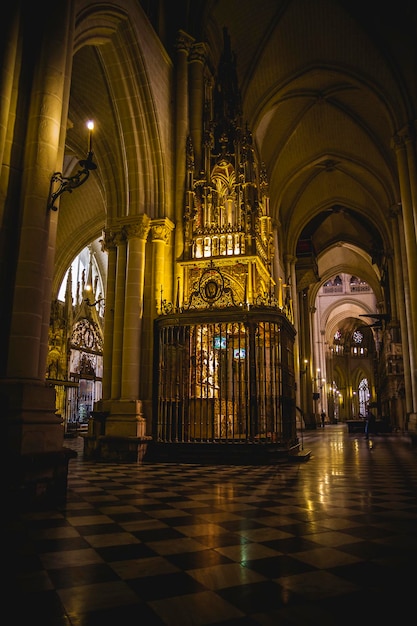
(412, 428)
(115, 449)
(117, 432)
(147, 408)
(39, 480)
(125, 419)
(36, 459)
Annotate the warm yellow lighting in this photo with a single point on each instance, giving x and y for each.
(90, 126)
(60, 183)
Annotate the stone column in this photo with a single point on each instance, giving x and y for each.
(159, 280)
(136, 233)
(290, 262)
(197, 61)
(391, 270)
(35, 87)
(395, 214)
(410, 146)
(183, 46)
(405, 179)
(161, 275)
(43, 98)
(9, 56)
(119, 311)
(306, 355)
(109, 244)
(125, 419)
(316, 354)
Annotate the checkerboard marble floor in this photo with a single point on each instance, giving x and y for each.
(331, 541)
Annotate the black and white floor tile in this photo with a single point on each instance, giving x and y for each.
(331, 541)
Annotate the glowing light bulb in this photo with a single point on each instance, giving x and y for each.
(90, 126)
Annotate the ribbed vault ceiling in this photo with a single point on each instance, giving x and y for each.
(323, 95)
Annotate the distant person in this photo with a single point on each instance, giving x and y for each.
(370, 423)
(323, 417)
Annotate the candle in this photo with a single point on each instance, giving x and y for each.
(90, 126)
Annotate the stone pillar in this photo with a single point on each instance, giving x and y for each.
(406, 179)
(109, 243)
(395, 214)
(197, 61)
(31, 300)
(391, 270)
(410, 146)
(125, 419)
(137, 233)
(184, 43)
(161, 274)
(159, 279)
(8, 61)
(119, 311)
(290, 262)
(37, 460)
(306, 355)
(315, 369)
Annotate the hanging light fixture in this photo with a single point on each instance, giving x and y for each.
(60, 183)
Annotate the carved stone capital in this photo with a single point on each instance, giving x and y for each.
(198, 53)
(161, 230)
(184, 42)
(109, 240)
(139, 228)
(112, 238)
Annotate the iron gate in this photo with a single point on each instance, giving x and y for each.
(230, 380)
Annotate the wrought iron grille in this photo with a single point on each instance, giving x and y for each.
(229, 381)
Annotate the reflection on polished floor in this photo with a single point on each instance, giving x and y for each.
(331, 541)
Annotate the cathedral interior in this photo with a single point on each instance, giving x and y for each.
(208, 235)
